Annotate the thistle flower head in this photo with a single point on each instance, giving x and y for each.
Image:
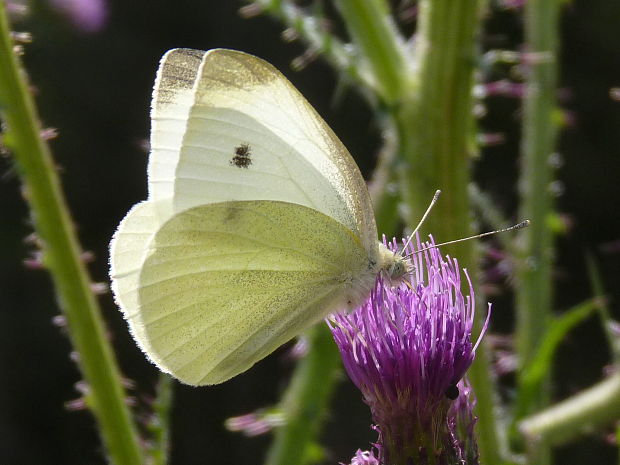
(407, 349)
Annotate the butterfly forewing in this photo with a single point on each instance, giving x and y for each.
(242, 100)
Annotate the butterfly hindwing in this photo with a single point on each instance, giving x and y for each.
(225, 284)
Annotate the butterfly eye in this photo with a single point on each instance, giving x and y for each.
(398, 268)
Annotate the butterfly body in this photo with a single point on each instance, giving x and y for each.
(258, 223)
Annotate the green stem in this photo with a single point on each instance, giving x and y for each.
(160, 422)
(436, 130)
(306, 399)
(585, 412)
(62, 256)
(378, 40)
(534, 292)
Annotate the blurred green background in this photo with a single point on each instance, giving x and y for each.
(95, 87)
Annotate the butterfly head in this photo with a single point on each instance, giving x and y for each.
(393, 264)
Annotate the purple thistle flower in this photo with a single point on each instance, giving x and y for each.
(407, 349)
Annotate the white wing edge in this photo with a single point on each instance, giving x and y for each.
(128, 251)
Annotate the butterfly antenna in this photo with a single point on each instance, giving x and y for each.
(521, 225)
(428, 210)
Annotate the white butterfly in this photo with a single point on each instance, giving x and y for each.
(257, 225)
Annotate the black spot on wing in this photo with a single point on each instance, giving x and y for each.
(242, 157)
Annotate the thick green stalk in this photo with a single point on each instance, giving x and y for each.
(306, 399)
(437, 125)
(436, 130)
(62, 256)
(370, 25)
(534, 292)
